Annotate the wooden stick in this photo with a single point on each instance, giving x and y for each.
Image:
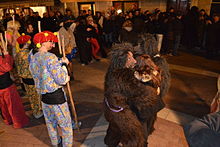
(6, 40)
(69, 91)
(2, 40)
(13, 20)
(39, 26)
(1, 37)
(59, 45)
(63, 46)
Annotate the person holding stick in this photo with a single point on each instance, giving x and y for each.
(12, 34)
(10, 102)
(49, 76)
(22, 65)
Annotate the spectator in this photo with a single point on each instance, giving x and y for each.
(177, 33)
(68, 18)
(212, 37)
(204, 132)
(127, 33)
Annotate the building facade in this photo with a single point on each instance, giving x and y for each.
(211, 6)
(105, 5)
(11, 6)
(17, 6)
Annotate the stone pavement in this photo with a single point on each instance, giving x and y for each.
(36, 135)
(168, 131)
(193, 86)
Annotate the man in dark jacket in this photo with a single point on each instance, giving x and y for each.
(177, 33)
(212, 38)
(204, 132)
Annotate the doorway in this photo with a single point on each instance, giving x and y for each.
(179, 5)
(86, 6)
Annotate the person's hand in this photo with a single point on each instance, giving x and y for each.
(67, 79)
(5, 52)
(88, 39)
(95, 25)
(65, 60)
(209, 22)
(88, 29)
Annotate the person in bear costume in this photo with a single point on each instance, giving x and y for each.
(130, 104)
(148, 45)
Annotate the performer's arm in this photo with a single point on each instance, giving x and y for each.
(59, 75)
(6, 64)
(146, 105)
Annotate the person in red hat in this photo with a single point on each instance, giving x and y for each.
(22, 64)
(49, 77)
(10, 102)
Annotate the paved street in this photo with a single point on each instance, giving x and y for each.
(193, 86)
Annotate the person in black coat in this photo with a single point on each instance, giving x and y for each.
(204, 132)
(191, 21)
(212, 37)
(82, 42)
(177, 33)
(138, 22)
(108, 31)
(128, 34)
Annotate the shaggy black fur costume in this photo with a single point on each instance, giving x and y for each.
(139, 101)
(148, 45)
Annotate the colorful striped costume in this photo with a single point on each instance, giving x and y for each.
(49, 77)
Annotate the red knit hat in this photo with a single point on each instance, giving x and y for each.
(45, 36)
(23, 39)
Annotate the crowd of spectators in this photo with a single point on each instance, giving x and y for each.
(96, 32)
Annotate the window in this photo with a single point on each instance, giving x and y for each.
(125, 5)
(86, 6)
(215, 7)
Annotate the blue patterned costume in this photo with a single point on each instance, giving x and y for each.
(49, 76)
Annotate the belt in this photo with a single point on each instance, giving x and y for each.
(54, 98)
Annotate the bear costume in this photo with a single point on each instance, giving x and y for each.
(130, 105)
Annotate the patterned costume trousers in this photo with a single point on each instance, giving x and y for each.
(34, 98)
(58, 115)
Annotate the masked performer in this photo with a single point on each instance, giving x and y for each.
(22, 65)
(49, 77)
(124, 125)
(12, 35)
(149, 75)
(131, 98)
(10, 101)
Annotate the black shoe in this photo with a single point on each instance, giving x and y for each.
(61, 143)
